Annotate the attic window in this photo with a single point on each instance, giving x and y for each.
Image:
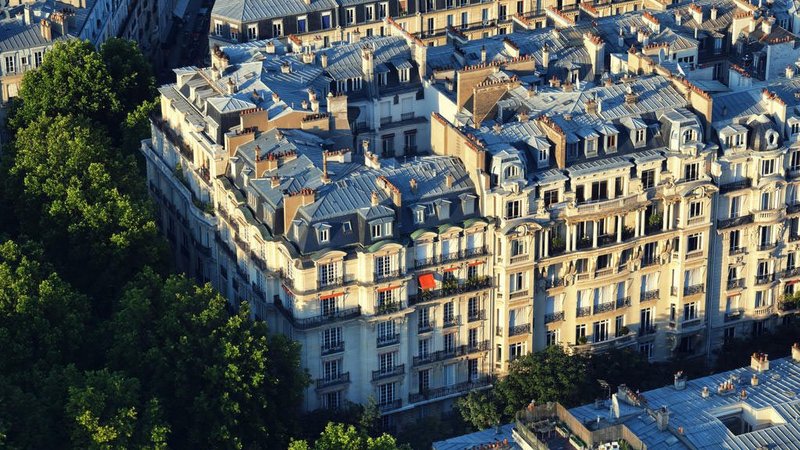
(641, 135)
(419, 215)
(688, 136)
(405, 75)
(795, 127)
(323, 235)
(511, 172)
(347, 228)
(590, 146)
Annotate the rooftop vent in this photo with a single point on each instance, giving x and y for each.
(796, 352)
(759, 362)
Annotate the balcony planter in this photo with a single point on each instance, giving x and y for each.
(577, 442)
(582, 340)
(624, 331)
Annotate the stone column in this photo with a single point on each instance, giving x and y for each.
(594, 233)
(619, 228)
(637, 231)
(546, 243)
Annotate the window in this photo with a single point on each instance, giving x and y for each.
(484, 15)
(332, 370)
(794, 159)
(448, 312)
(648, 178)
(37, 59)
(424, 317)
(516, 350)
(730, 335)
(600, 331)
(611, 142)
(386, 362)
(735, 240)
(331, 338)
(646, 350)
(386, 330)
(424, 347)
(404, 75)
(735, 207)
(600, 190)
(472, 369)
(302, 24)
(369, 13)
(472, 337)
(347, 227)
(252, 32)
(431, 25)
(520, 8)
(419, 216)
(590, 147)
(767, 167)
(377, 231)
(502, 12)
(518, 247)
(350, 16)
(516, 282)
(410, 141)
(690, 311)
(641, 134)
(691, 172)
(322, 235)
(383, 265)
(387, 144)
(424, 380)
(553, 337)
(386, 394)
(580, 332)
(383, 8)
(550, 197)
(10, 66)
(328, 274)
(332, 400)
(464, 19)
(328, 306)
(513, 209)
(695, 209)
(449, 342)
(326, 21)
(688, 136)
(277, 28)
(218, 28)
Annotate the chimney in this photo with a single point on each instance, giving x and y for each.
(275, 181)
(231, 86)
(375, 200)
(630, 96)
(796, 352)
(759, 362)
(323, 60)
(608, 81)
(307, 2)
(355, 37)
(621, 38)
(448, 181)
(293, 201)
(308, 57)
(286, 68)
(304, 104)
(325, 178)
(754, 380)
(60, 18)
(697, 13)
(545, 57)
(365, 146)
(662, 418)
(714, 13)
(367, 63)
(483, 54)
(270, 48)
(27, 14)
(523, 116)
(790, 71)
(679, 381)
(412, 183)
(591, 106)
(312, 99)
(47, 32)
(766, 25)
(678, 18)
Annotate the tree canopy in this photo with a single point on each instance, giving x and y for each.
(337, 436)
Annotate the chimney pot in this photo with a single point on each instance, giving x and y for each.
(375, 199)
(46, 30)
(323, 60)
(448, 180)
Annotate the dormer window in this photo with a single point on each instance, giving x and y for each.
(641, 136)
(381, 230)
(611, 143)
(444, 209)
(688, 136)
(795, 127)
(511, 172)
(323, 233)
(572, 150)
(590, 147)
(369, 13)
(467, 204)
(405, 75)
(382, 79)
(542, 157)
(347, 227)
(419, 215)
(383, 9)
(377, 231)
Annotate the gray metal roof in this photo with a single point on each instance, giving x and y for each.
(255, 10)
(777, 390)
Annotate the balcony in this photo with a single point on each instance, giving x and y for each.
(387, 308)
(330, 349)
(763, 311)
(735, 221)
(765, 278)
(450, 257)
(258, 261)
(649, 295)
(519, 329)
(519, 258)
(335, 380)
(451, 321)
(735, 185)
(623, 302)
(390, 405)
(603, 307)
(388, 275)
(647, 329)
(384, 341)
(649, 260)
(306, 323)
(767, 246)
(686, 325)
(604, 272)
(475, 316)
(327, 282)
(694, 289)
(733, 315)
(769, 215)
(792, 272)
(601, 346)
(694, 254)
(793, 208)
(553, 282)
(425, 327)
(737, 251)
(594, 206)
(788, 305)
(471, 285)
(554, 317)
(522, 293)
(583, 312)
(736, 284)
(389, 372)
(441, 355)
(447, 391)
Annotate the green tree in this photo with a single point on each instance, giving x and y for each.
(73, 79)
(337, 436)
(130, 72)
(481, 409)
(84, 202)
(224, 382)
(107, 413)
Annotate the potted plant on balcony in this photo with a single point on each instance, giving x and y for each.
(654, 221)
(449, 284)
(582, 340)
(624, 330)
(557, 243)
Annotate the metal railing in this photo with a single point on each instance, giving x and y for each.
(453, 256)
(474, 316)
(383, 341)
(451, 321)
(584, 311)
(765, 278)
(649, 295)
(388, 274)
(694, 289)
(472, 285)
(735, 185)
(388, 372)
(519, 329)
(735, 221)
(333, 380)
(737, 283)
(445, 391)
(554, 317)
(454, 352)
(322, 319)
(330, 349)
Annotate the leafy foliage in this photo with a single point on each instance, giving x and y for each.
(337, 436)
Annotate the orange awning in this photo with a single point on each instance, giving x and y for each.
(387, 288)
(475, 263)
(426, 281)
(451, 269)
(329, 296)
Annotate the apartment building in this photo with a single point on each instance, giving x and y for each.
(29, 29)
(757, 224)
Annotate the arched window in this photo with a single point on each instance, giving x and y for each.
(688, 135)
(511, 172)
